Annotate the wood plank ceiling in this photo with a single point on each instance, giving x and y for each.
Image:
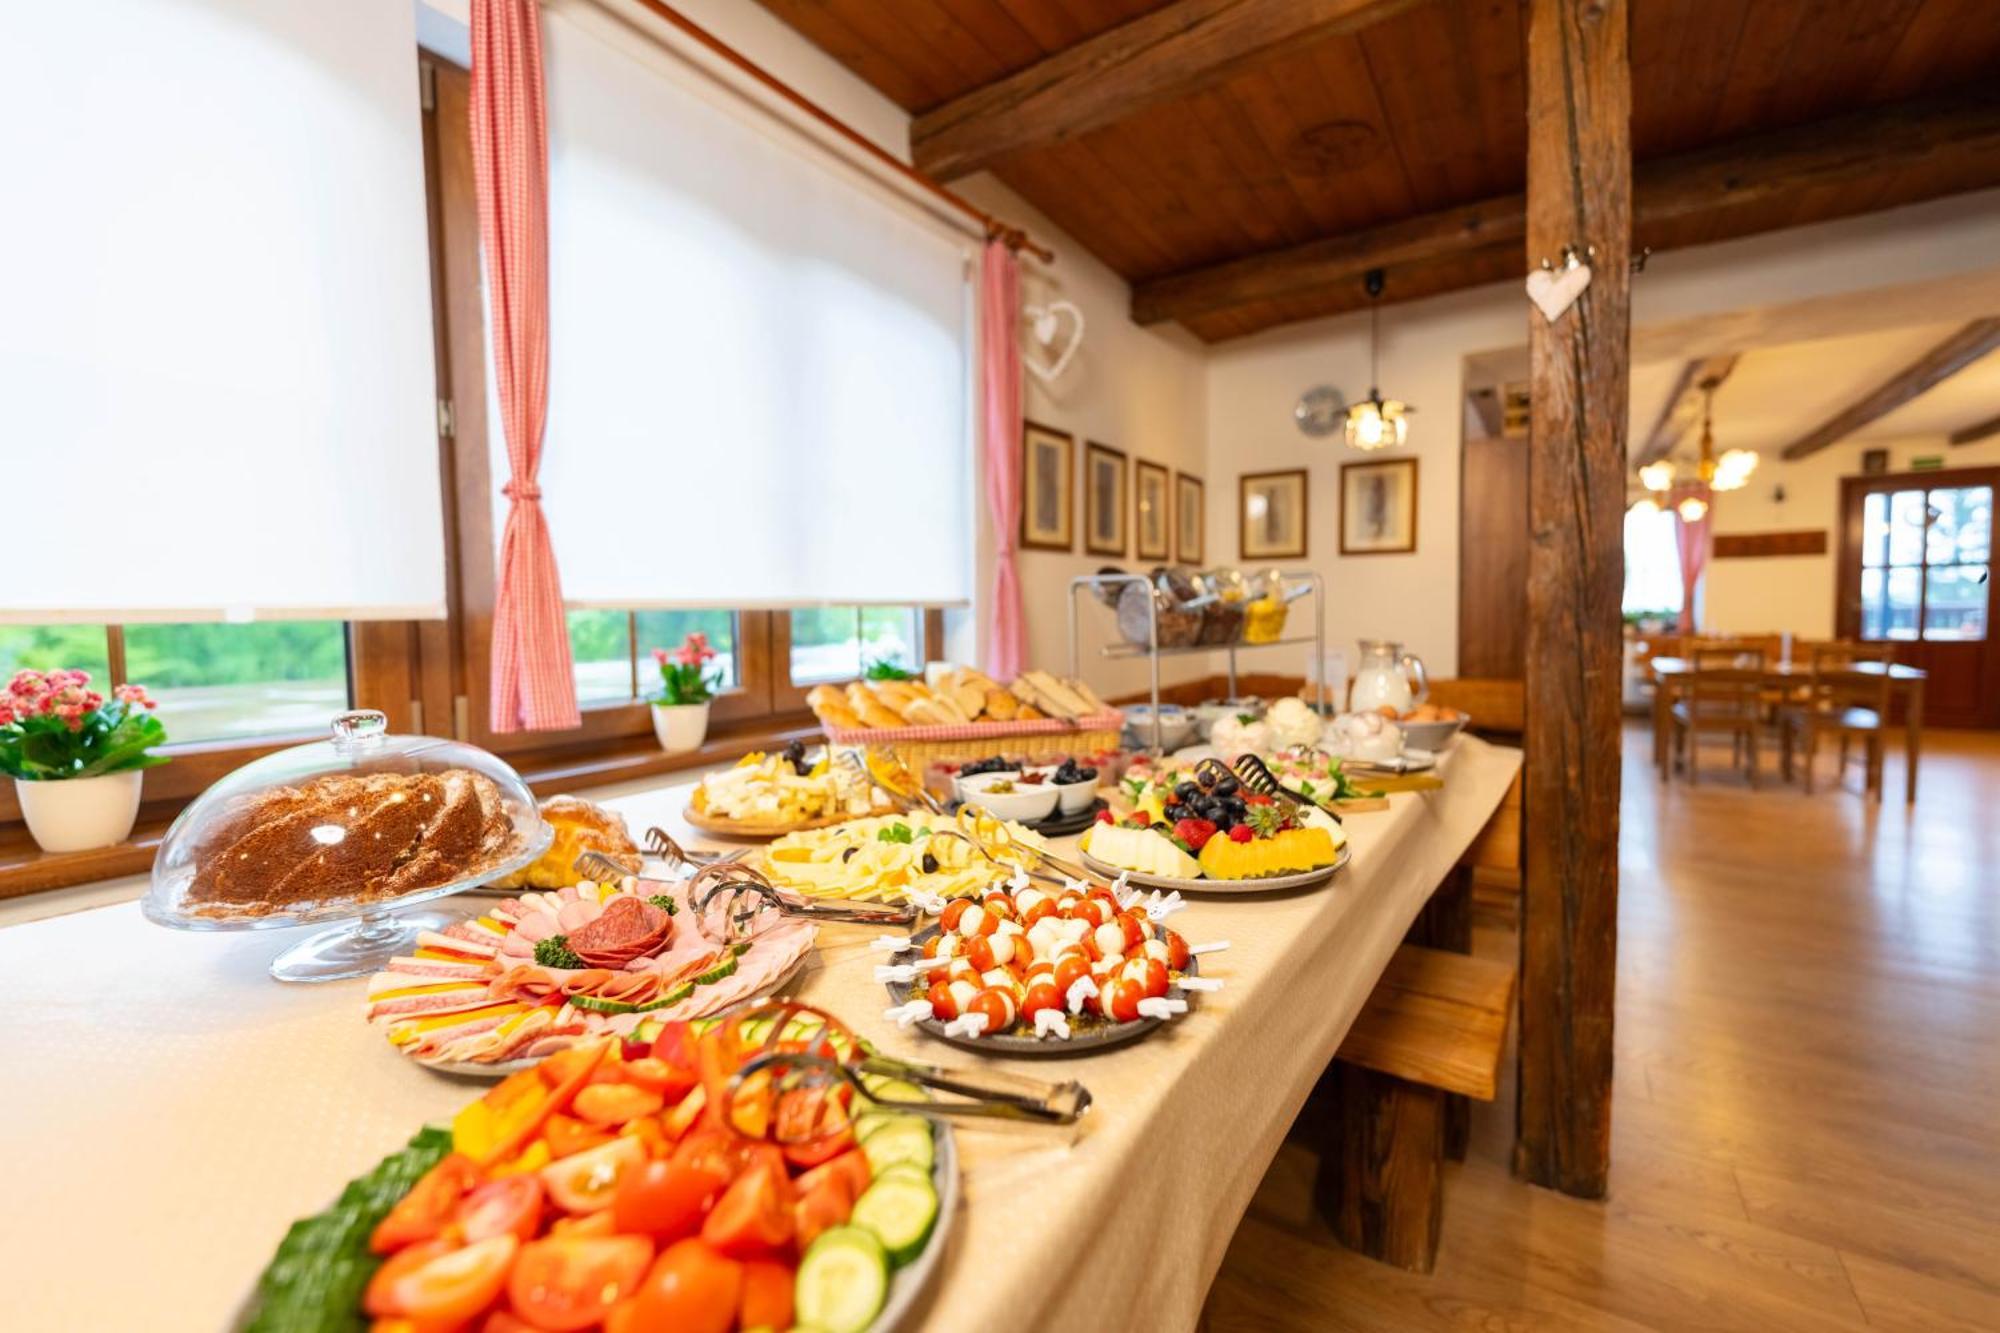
(1394, 109)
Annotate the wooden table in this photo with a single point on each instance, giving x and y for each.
(1906, 681)
(175, 1108)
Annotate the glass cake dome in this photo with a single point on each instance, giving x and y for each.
(350, 828)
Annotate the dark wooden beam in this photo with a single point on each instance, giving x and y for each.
(1975, 433)
(1683, 406)
(1742, 171)
(1579, 194)
(1169, 53)
(1940, 363)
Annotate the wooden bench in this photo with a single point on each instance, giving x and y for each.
(1434, 1027)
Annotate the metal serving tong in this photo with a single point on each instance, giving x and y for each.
(883, 769)
(661, 844)
(1251, 772)
(728, 898)
(991, 1094)
(995, 841)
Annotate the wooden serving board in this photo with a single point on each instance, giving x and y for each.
(1386, 783)
(736, 828)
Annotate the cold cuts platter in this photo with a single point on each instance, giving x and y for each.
(532, 975)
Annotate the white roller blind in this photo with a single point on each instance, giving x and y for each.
(216, 388)
(758, 361)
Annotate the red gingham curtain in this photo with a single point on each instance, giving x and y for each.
(533, 684)
(1000, 426)
(1692, 539)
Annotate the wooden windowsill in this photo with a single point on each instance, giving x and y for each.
(26, 869)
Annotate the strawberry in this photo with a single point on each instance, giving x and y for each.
(1194, 832)
(1106, 817)
(1139, 819)
(1256, 798)
(1241, 833)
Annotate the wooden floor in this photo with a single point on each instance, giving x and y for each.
(1807, 1110)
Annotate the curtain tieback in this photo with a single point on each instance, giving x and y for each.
(522, 490)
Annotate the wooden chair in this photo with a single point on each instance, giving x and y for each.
(1435, 1025)
(1721, 699)
(1848, 705)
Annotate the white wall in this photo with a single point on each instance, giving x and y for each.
(1716, 298)
(1796, 593)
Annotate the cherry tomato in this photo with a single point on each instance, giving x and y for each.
(667, 1201)
(510, 1205)
(616, 1103)
(376, 1299)
(827, 1204)
(691, 1289)
(953, 911)
(767, 1295)
(570, 1282)
(944, 1004)
(568, 1136)
(1133, 925)
(671, 1081)
(1091, 910)
(851, 1167)
(1067, 972)
(1040, 995)
(1120, 999)
(996, 1006)
(1177, 949)
(1150, 973)
(1045, 908)
(431, 1202)
(588, 1181)
(754, 1216)
(449, 1288)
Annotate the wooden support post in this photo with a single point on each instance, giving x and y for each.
(1381, 1183)
(1579, 195)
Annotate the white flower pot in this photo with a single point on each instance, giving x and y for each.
(680, 726)
(78, 814)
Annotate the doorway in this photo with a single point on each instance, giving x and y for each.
(1916, 555)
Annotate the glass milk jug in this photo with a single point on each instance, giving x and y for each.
(1383, 678)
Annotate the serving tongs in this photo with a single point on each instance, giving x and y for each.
(1252, 773)
(991, 1094)
(883, 769)
(661, 844)
(994, 840)
(728, 899)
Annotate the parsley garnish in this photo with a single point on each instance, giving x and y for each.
(664, 903)
(894, 833)
(555, 952)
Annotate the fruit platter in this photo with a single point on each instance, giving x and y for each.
(1203, 831)
(770, 795)
(530, 976)
(663, 1181)
(1029, 971)
(891, 858)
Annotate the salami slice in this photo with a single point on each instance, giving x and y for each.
(628, 928)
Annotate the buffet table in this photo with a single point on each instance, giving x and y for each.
(172, 1109)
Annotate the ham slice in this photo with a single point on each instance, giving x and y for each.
(628, 927)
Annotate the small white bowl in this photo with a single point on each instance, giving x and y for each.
(1071, 797)
(1025, 804)
(958, 787)
(1176, 726)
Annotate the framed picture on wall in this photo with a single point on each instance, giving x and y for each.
(1190, 520)
(1048, 489)
(1378, 507)
(1271, 518)
(1152, 511)
(1103, 499)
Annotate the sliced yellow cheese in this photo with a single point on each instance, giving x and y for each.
(435, 988)
(406, 1030)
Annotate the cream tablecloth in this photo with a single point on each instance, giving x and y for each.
(169, 1109)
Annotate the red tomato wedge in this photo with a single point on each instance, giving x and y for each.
(667, 1201)
(588, 1181)
(568, 1136)
(448, 1289)
(375, 1300)
(691, 1289)
(571, 1282)
(430, 1204)
(511, 1205)
(611, 1104)
(852, 1167)
(579, 1062)
(671, 1081)
(767, 1295)
(827, 1204)
(753, 1218)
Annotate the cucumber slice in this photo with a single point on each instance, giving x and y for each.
(596, 1005)
(906, 1139)
(906, 1170)
(727, 967)
(842, 1281)
(881, 1090)
(900, 1208)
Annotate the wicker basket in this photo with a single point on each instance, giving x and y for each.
(926, 748)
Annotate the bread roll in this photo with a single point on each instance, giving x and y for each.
(1029, 713)
(839, 716)
(580, 826)
(1001, 706)
(969, 697)
(821, 695)
(874, 714)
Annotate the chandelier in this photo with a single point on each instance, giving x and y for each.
(1374, 422)
(1730, 472)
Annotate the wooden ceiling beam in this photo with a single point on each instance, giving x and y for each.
(1975, 433)
(1683, 406)
(1940, 363)
(1169, 53)
(1742, 171)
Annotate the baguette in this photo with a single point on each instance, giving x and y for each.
(836, 714)
(874, 714)
(821, 695)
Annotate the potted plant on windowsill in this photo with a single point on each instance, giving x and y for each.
(76, 758)
(680, 713)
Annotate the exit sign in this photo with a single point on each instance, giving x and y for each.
(1933, 463)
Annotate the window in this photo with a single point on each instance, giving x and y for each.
(1652, 563)
(1924, 563)
(214, 682)
(841, 642)
(614, 650)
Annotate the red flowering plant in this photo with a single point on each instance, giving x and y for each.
(53, 725)
(682, 680)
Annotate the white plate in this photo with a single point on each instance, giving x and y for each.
(1270, 884)
(1410, 761)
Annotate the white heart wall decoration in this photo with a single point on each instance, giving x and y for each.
(1554, 290)
(1045, 322)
